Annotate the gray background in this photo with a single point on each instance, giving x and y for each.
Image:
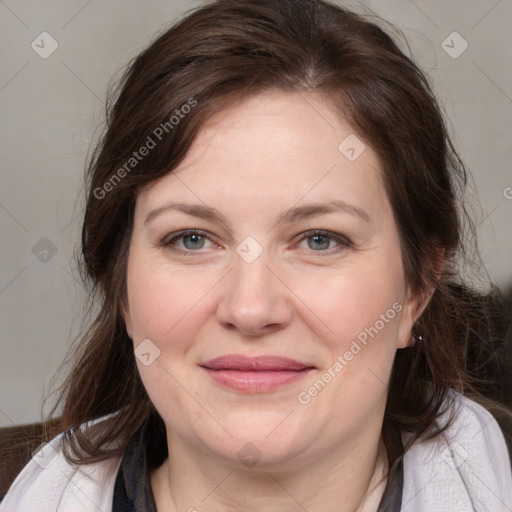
(51, 109)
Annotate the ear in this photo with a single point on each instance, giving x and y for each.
(414, 305)
(411, 311)
(125, 313)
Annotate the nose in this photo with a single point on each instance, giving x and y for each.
(253, 300)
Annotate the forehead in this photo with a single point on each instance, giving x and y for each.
(270, 150)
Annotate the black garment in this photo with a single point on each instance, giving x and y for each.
(132, 490)
(146, 450)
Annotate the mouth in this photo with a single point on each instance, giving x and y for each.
(255, 374)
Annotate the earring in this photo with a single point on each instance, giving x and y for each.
(416, 339)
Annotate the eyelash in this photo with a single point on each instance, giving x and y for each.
(343, 242)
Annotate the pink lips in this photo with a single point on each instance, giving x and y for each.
(255, 374)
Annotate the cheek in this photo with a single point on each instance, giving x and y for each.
(168, 308)
(354, 300)
(356, 315)
(359, 315)
(164, 301)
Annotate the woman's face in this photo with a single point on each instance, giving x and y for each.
(294, 253)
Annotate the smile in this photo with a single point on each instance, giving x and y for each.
(255, 374)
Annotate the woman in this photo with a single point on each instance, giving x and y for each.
(272, 227)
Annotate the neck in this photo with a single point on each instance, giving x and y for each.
(338, 481)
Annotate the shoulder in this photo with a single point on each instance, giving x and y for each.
(465, 467)
(49, 482)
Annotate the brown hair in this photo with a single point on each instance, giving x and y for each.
(216, 55)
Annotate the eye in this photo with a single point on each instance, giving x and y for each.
(319, 241)
(189, 241)
(193, 240)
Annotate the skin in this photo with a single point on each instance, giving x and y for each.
(299, 299)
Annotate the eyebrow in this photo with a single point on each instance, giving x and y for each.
(311, 210)
(294, 214)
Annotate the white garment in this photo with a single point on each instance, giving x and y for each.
(465, 469)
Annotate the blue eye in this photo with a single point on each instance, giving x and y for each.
(194, 240)
(190, 241)
(323, 240)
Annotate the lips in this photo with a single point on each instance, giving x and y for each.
(255, 374)
(261, 363)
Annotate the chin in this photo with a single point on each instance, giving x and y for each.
(267, 437)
